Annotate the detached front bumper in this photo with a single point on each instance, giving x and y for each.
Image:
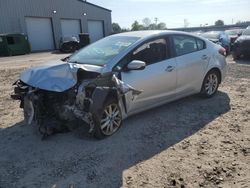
(25, 95)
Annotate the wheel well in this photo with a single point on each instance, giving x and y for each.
(112, 95)
(218, 71)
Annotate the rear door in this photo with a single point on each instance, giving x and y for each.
(157, 80)
(192, 58)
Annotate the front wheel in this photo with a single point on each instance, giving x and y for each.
(110, 121)
(210, 84)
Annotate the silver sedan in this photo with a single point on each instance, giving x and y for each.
(119, 76)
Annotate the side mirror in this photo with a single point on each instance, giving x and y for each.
(136, 65)
(239, 34)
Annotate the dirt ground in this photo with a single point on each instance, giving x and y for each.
(192, 142)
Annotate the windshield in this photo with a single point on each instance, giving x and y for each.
(102, 51)
(246, 32)
(211, 35)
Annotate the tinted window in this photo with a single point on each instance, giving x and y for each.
(1, 40)
(184, 45)
(10, 40)
(151, 52)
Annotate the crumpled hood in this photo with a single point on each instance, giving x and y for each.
(56, 76)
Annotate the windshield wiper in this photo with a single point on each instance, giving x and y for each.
(76, 62)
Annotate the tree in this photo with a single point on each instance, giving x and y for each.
(152, 26)
(146, 22)
(238, 22)
(161, 26)
(219, 23)
(125, 30)
(136, 26)
(116, 28)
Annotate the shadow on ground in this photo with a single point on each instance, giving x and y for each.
(75, 159)
(59, 52)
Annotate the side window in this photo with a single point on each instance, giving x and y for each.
(184, 44)
(13, 40)
(201, 44)
(151, 52)
(10, 40)
(1, 40)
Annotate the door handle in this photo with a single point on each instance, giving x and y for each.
(204, 57)
(170, 68)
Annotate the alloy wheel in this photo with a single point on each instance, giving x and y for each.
(211, 84)
(111, 119)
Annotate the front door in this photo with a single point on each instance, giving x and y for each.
(157, 80)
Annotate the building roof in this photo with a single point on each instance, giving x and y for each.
(84, 1)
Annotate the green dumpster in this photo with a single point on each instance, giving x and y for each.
(14, 44)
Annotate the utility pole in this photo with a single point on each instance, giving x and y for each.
(156, 20)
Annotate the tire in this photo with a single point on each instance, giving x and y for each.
(210, 84)
(110, 121)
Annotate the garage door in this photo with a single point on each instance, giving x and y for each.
(40, 33)
(95, 29)
(70, 28)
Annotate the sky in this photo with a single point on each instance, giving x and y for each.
(173, 12)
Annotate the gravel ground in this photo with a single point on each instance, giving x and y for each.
(192, 142)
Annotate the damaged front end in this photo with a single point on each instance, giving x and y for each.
(53, 110)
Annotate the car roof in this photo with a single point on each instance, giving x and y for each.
(150, 33)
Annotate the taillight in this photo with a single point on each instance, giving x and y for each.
(222, 51)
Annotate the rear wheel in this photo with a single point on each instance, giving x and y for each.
(110, 122)
(210, 84)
